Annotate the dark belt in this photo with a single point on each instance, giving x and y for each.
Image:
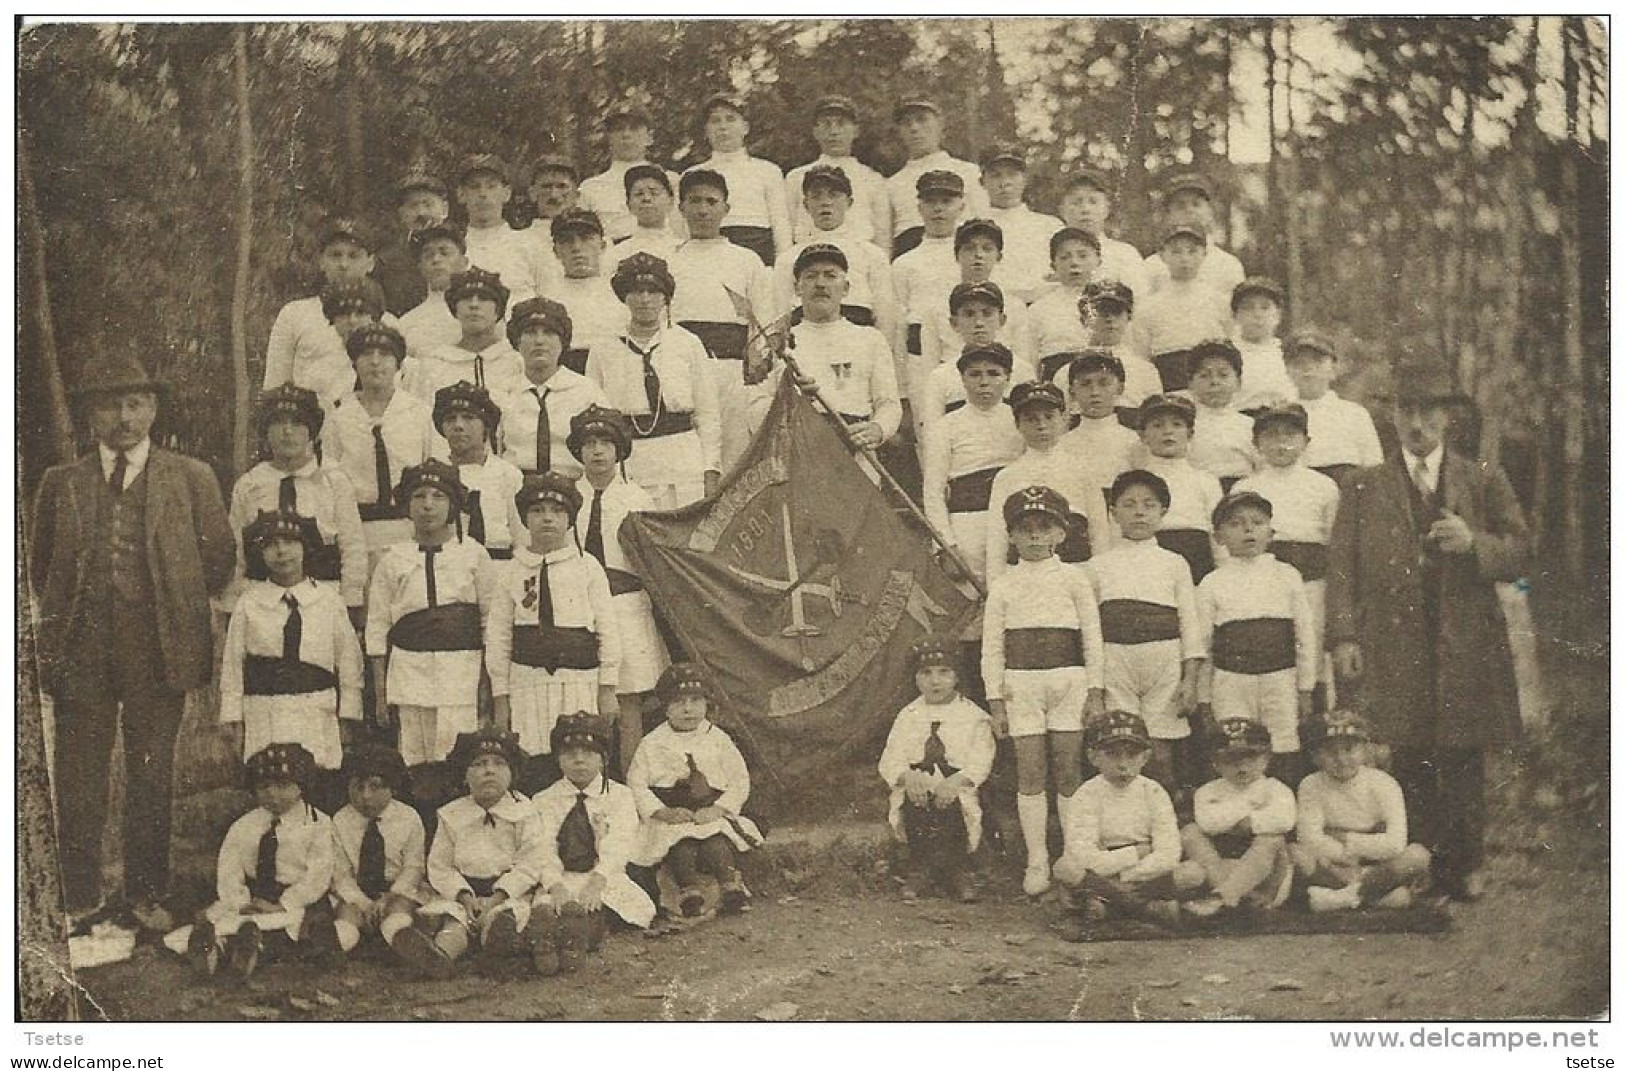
(452, 627)
(1336, 472)
(1254, 646)
(264, 675)
(723, 341)
(906, 239)
(971, 492)
(1192, 544)
(483, 887)
(1129, 621)
(622, 582)
(1042, 648)
(1309, 559)
(666, 423)
(912, 338)
(552, 648)
(380, 511)
(575, 360)
(499, 554)
(322, 563)
(758, 240)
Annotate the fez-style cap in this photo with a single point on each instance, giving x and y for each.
(1256, 285)
(432, 473)
(1035, 500)
(483, 163)
(486, 741)
(289, 401)
(835, 102)
(992, 352)
(1028, 395)
(1236, 501)
(916, 105)
(1107, 294)
(550, 486)
(683, 678)
(935, 651)
(828, 176)
(973, 228)
(580, 730)
(1289, 413)
(1177, 404)
(477, 282)
(964, 293)
(375, 760)
(574, 222)
(462, 397)
(939, 184)
(642, 271)
(819, 253)
(1119, 726)
(365, 297)
(602, 421)
(1242, 736)
(280, 762)
(375, 336)
(541, 312)
(1141, 478)
(1220, 348)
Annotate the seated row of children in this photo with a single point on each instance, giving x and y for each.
(503, 873)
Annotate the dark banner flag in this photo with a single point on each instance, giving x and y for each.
(802, 590)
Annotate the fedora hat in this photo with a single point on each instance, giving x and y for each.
(114, 375)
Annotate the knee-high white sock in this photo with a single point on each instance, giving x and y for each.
(349, 935)
(1033, 811)
(1063, 808)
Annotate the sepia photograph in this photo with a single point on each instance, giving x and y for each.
(758, 520)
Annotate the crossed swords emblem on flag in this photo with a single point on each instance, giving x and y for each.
(821, 580)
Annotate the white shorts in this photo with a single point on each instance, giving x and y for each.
(429, 733)
(1142, 678)
(1045, 700)
(1268, 698)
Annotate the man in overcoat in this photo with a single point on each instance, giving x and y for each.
(1415, 626)
(127, 544)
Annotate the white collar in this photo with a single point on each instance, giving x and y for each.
(269, 593)
(305, 471)
(532, 560)
(1432, 460)
(135, 458)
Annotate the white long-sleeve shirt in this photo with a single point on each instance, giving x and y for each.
(870, 216)
(495, 481)
(405, 859)
(1145, 572)
(305, 349)
(706, 269)
(1054, 325)
(621, 499)
(1304, 502)
(662, 761)
(1245, 589)
(399, 586)
(513, 256)
(409, 439)
(1109, 824)
(1121, 261)
(1340, 433)
(566, 393)
(326, 639)
(498, 367)
(1366, 814)
(1044, 594)
(756, 196)
(597, 316)
(580, 597)
(1269, 803)
(940, 344)
(1263, 374)
(923, 278)
(1222, 442)
(688, 384)
(322, 493)
(1194, 492)
(966, 732)
(1024, 265)
(429, 325)
(1179, 315)
(613, 813)
(962, 442)
(508, 848)
(853, 368)
(1058, 470)
(304, 857)
(1105, 447)
(868, 274)
(1221, 270)
(945, 387)
(605, 194)
(901, 188)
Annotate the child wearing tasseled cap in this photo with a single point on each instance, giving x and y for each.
(483, 865)
(601, 439)
(938, 754)
(552, 645)
(481, 355)
(589, 828)
(378, 859)
(291, 671)
(273, 870)
(690, 782)
(468, 418)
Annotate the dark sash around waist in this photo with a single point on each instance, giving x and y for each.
(906, 239)
(264, 675)
(1309, 559)
(723, 341)
(483, 887)
(499, 554)
(1254, 646)
(971, 492)
(1192, 544)
(1336, 472)
(1042, 648)
(683, 794)
(666, 423)
(380, 511)
(454, 626)
(622, 582)
(322, 563)
(552, 648)
(1129, 621)
(913, 340)
(949, 407)
(758, 240)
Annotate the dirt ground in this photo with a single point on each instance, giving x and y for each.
(1536, 946)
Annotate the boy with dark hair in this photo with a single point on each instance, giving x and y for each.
(420, 203)
(596, 314)
(1086, 205)
(759, 218)
(1256, 305)
(1054, 327)
(630, 134)
(1222, 441)
(650, 198)
(1187, 198)
(536, 418)
(484, 189)
(835, 129)
(481, 355)
(919, 126)
(1166, 423)
(1345, 436)
(825, 200)
(304, 349)
(438, 254)
(1185, 309)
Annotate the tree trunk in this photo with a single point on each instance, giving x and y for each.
(1573, 509)
(1289, 192)
(50, 368)
(355, 186)
(245, 240)
(1134, 198)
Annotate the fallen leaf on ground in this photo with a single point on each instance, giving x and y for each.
(651, 994)
(1214, 979)
(1018, 939)
(825, 971)
(1286, 985)
(326, 999)
(781, 1011)
(301, 1004)
(260, 1012)
(956, 989)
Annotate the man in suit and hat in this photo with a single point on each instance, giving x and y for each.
(128, 543)
(1414, 623)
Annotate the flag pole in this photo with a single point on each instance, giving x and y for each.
(778, 344)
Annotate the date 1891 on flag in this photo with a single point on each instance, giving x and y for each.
(802, 590)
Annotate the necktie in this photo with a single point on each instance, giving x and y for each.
(595, 527)
(287, 498)
(490, 820)
(264, 885)
(651, 378)
(370, 871)
(476, 518)
(428, 572)
(380, 464)
(578, 847)
(1419, 476)
(544, 597)
(700, 792)
(936, 753)
(121, 468)
(293, 631)
(544, 431)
